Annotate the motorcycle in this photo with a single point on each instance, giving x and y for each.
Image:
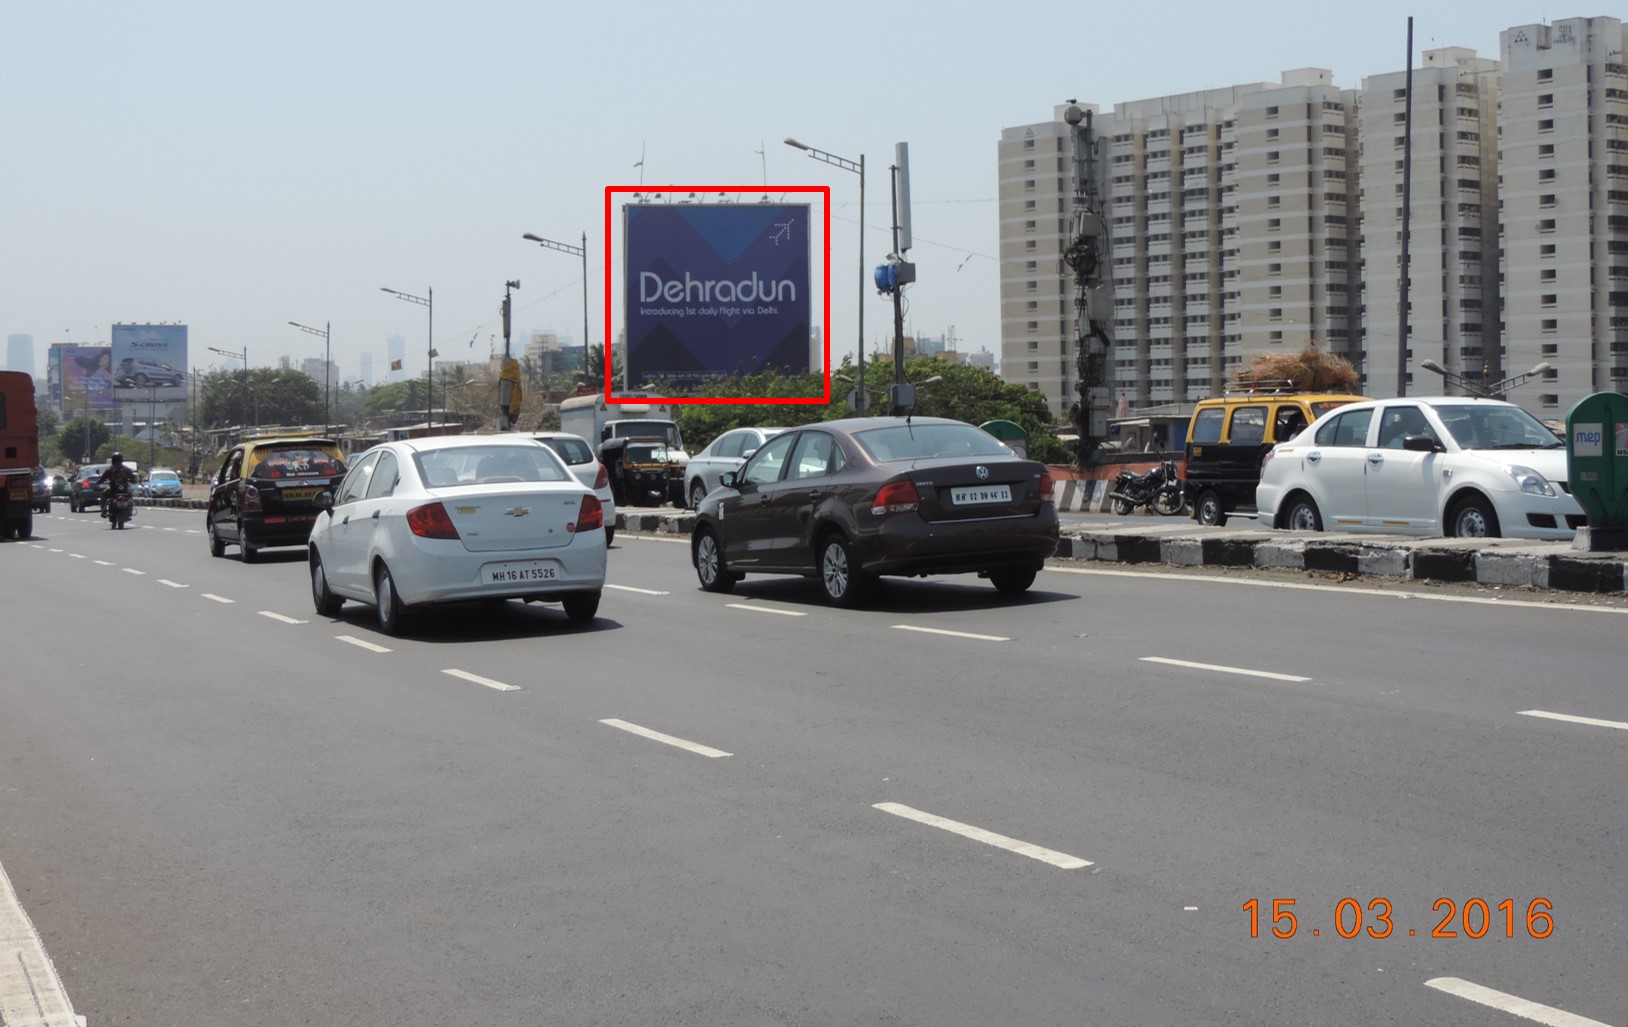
(119, 504)
(1159, 490)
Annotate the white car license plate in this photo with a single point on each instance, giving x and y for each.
(974, 494)
(516, 573)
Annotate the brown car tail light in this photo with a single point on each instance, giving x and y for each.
(1048, 487)
(895, 497)
(591, 515)
(251, 499)
(431, 521)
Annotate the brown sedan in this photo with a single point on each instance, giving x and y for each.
(849, 501)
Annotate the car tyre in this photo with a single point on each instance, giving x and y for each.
(387, 602)
(1012, 581)
(709, 563)
(216, 546)
(1474, 517)
(322, 597)
(610, 535)
(1303, 515)
(842, 581)
(25, 527)
(1123, 507)
(698, 492)
(249, 553)
(1209, 510)
(581, 607)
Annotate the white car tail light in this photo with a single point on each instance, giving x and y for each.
(590, 516)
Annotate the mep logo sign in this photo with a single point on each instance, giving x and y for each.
(715, 289)
(150, 361)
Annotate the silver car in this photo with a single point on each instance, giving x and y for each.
(579, 456)
(727, 452)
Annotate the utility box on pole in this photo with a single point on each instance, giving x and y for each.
(1597, 466)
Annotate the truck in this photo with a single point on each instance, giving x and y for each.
(646, 418)
(19, 454)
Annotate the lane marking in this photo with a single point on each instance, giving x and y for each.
(30, 990)
(641, 591)
(79, 556)
(216, 598)
(766, 609)
(194, 531)
(105, 563)
(56, 550)
(362, 644)
(172, 584)
(1225, 670)
(1512, 1004)
(1057, 859)
(657, 736)
(1342, 589)
(1568, 718)
(477, 679)
(132, 570)
(952, 634)
(172, 529)
(280, 617)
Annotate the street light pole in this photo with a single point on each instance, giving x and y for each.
(243, 356)
(427, 300)
(858, 168)
(579, 251)
(327, 362)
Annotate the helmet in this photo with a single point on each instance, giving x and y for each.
(117, 458)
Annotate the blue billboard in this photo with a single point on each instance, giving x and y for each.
(715, 289)
(150, 361)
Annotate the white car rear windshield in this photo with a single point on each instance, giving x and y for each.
(480, 465)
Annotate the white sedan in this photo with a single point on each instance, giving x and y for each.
(1450, 465)
(435, 520)
(727, 452)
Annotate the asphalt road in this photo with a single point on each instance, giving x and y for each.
(947, 808)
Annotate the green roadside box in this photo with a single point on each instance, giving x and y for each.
(1011, 433)
(1597, 468)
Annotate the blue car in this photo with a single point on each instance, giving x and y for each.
(163, 485)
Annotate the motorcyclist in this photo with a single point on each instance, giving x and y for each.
(115, 473)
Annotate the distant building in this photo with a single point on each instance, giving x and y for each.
(366, 366)
(313, 368)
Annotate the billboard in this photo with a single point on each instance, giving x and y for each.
(87, 381)
(715, 289)
(150, 362)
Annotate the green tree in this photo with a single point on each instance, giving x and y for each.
(48, 421)
(266, 396)
(80, 438)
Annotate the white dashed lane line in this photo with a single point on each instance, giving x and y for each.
(362, 644)
(765, 609)
(1568, 718)
(215, 598)
(952, 634)
(171, 584)
(105, 563)
(477, 679)
(1270, 675)
(56, 550)
(79, 556)
(282, 618)
(132, 570)
(1512, 1004)
(657, 736)
(1061, 860)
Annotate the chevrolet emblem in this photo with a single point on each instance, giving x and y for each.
(516, 511)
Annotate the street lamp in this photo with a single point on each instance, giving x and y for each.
(858, 168)
(577, 251)
(1482, 388)
(427, 300)
(243, 356)
(327, 362)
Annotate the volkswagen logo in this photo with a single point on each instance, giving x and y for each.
(982, 472)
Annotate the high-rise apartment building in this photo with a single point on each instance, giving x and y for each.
(365, 372)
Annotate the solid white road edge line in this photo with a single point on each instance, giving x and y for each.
(1568, 718)
(216, 598)
(1512, 1004)
(952, 634)
(641, 591)
(1349, 590)
(1224, 670)
(362, 644)
(477, 679)
(766, 609)
(278, 616)
(657, 736)
(30, 990)
(978, 834)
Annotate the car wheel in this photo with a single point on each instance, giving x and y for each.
(1013, 580)
(1123, 507)
(1303, 515)
(387, 601)
(841, 579)
(1209, 509)
(249, 554)
(1474, 517)
(698, 492)
(216, 546)
(610, 535)
(581, 606)
(25, 527)
(326, 602)
(709, 563)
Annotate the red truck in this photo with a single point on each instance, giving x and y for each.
(19, 454)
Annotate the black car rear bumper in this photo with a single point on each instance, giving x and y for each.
(909, 545)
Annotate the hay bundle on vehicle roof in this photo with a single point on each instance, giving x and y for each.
(1310, 370)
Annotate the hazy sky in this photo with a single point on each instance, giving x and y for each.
(236, 167)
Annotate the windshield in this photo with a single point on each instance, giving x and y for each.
(571, 450)
(1496, 427)
(646, 430)
(646, 454)
(296, 462)
(164, 476)
(921, 441)
(480, 465)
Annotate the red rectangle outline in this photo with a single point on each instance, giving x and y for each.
(825, 327)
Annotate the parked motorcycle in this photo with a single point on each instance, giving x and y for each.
(119, 504)
(1159, 490)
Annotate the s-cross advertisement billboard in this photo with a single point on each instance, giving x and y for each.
(715, 289)
(150, 361)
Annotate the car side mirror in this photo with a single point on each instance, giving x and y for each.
(748, 454)
(730, 479)
(323, 500)
(1422, 444)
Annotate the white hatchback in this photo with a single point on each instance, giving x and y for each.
(1447, 465)
(579, 456)
(435, 520)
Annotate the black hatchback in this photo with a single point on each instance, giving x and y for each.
(851, 500)
(265, 493)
